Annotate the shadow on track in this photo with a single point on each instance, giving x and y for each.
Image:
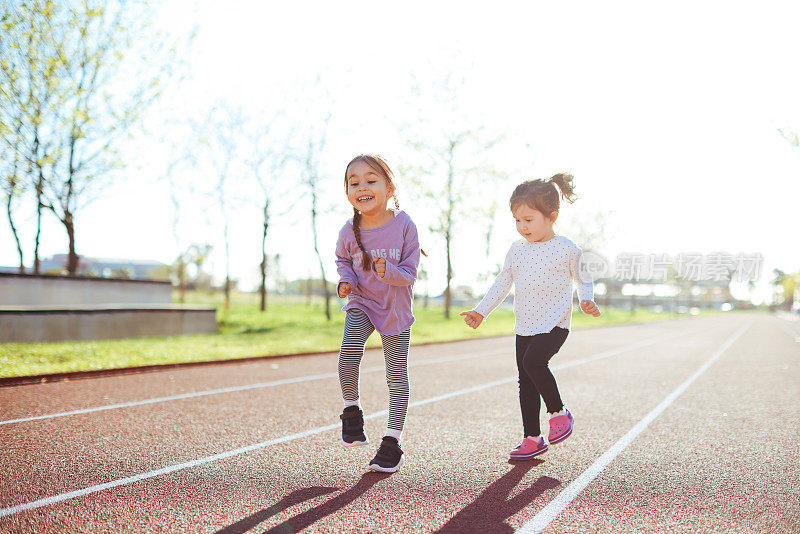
(489, 511)
(295, 497)
(304, 519)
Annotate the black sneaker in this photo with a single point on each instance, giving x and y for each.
(353, 427)
(389, 457)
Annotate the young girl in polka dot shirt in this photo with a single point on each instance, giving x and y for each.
(543, 266)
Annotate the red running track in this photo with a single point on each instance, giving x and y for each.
(681, 426)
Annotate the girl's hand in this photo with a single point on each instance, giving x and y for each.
(344, 289)
(380, 267)
(590, 308)
(472, 318)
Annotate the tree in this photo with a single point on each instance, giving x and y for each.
(10, 122)
(191, 259)
(93, 69)
(271, 152)
(244, 154)
(181, 158)
(221, 136)
(31, 63)
(449, 163)
(13, 188)
(784, 286)
(310, 161)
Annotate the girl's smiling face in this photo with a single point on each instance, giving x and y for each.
(367, 190)
(532, 224)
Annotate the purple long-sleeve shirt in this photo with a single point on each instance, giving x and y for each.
(387, 301)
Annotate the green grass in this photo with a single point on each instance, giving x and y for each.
(289, 326)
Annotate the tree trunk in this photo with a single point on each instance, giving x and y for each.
(324, 287)
(39, 206)
(12, 192)
(448, 232)
(16, 234)
(181, 280)
(72, 258)
(227, 291)
(426, 295)
(447, 294)
(225, 229)
(316, 250)
(263, 288)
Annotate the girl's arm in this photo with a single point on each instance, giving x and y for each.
(583, 281)
(499, 290)
(580, 277)
(405, 272)
(344, 262)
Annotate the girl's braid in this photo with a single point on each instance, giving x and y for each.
(366, 261)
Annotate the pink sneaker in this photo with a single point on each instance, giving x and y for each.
(528, 449)
(560, 428)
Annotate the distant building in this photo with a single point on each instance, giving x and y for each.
(102, 267)
(672, 295)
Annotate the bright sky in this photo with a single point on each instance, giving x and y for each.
(667, 115)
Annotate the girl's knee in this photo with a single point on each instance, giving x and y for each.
(534, 366)
(397, 382)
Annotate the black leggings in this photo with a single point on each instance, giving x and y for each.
(535, 377)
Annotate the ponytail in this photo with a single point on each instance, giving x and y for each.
(542, 195)
(564, 183)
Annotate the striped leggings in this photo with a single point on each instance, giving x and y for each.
(357, 328)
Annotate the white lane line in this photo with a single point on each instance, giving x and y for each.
(791, 332)
(239, 388)
(128, 480)
(541, 520)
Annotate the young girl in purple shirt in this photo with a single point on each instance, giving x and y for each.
(377, 255)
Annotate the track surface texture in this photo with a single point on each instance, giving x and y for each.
(680, 426)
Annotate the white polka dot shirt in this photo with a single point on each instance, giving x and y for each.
(543, 274)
